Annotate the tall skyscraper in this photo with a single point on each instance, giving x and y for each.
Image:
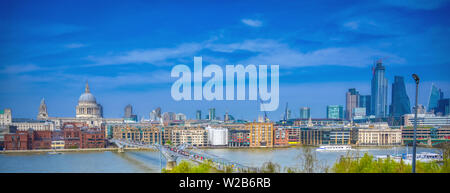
(212, 114)
(400, 104)
(335, 112)
(435, 95)
(128, 111)
(351, 102)
(198, 115)
(305, 113)
(365, 102)
(379, 91)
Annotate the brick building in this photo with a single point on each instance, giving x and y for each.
(280, 136)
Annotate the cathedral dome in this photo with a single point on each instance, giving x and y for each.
(87, 97)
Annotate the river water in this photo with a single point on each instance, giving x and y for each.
(149, 161)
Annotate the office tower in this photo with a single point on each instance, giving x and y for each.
(305, 113)
(400, 101)
(128, 111)
(212, 114)
(288, 115)
(198, 115)
(335, 112)
(379, 91)
(365, 102)
(443, 107)
(128, 114)
(435, 95)
(351, 102)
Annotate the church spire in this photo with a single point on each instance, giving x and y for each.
(86, 90)
(42, 115)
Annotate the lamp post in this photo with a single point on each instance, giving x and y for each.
(416, 78)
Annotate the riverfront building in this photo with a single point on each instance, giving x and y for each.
(196, 136)
(281, 136)
(426, 135)
(239, 137)
(379, 136)
(217, 136)
(261, 134)
(146, 133)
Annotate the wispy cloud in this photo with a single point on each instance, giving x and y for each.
(17, 69)
(75, 45)
(151, 56)
(272, 52)
(252, 22)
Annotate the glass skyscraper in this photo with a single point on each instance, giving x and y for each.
(379, 91)
(400, 104)
(435, 96)
(365, 102)
(305, 113)
(198, 115)
(335, 112)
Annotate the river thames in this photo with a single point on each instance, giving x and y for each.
(149, 161)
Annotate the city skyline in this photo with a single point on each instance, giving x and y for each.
(126, 51)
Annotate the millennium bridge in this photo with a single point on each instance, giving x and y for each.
(185, 151)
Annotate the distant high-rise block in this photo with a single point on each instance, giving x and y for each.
(379, 91)
(335, 112)
(365, 102)
(351, 102)
(435, 95)
(198, 115)
(128, 111)
(400, 104)
(212, 114)
(443, 107)
(305, 113)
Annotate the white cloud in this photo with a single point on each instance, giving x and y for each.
(150, 56)
(252, 22)
(272, 52)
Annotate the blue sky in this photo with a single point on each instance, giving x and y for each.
(127, 49)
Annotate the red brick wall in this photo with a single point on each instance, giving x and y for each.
(16, 141)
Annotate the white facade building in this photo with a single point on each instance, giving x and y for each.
(217, 136)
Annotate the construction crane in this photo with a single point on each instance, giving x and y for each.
(266, 119)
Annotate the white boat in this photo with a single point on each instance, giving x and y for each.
(334, 148)
(407, 158)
